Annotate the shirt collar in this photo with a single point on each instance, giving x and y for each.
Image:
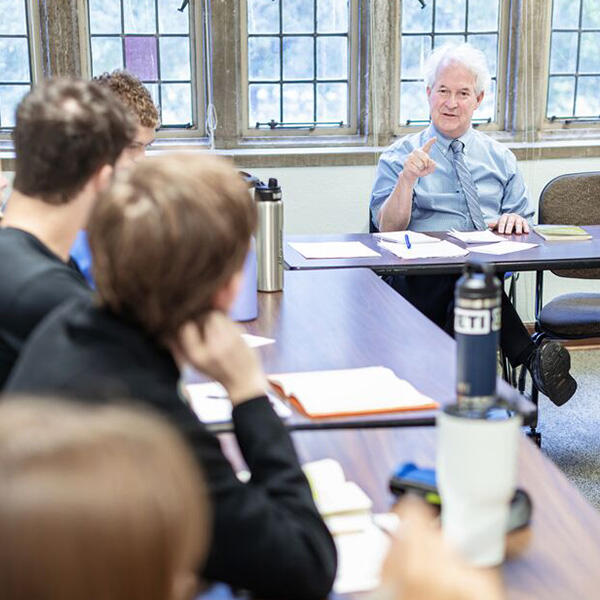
(444, 142)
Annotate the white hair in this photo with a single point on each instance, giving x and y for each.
(464, 54)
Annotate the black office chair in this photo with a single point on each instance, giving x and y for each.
(572, 199)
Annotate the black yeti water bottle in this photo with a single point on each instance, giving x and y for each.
(477, 320)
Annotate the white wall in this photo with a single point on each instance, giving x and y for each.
(336, 199)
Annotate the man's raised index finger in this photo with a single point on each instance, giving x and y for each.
(428, 144)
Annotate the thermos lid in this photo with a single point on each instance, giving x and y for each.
(478, 279)
(268, 193)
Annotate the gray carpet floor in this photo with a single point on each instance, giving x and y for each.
(571, 433)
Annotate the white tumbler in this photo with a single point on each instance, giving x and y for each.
(477, 477)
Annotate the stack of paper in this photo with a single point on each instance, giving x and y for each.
(562, 233)
(475, 237)
(333, 250)
(415, 237)
(439, 249)
(211, 403)
(361, 544)
(343, 392)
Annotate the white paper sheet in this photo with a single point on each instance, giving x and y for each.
(441, 249)
(255, 341)
(350, 391)
(333, 249)
(415, 237)
(212, 405)
(476, 237)
(502, 247)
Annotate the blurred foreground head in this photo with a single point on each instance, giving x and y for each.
(100, 503)
(168, 240)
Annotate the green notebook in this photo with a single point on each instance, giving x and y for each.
(564, 233)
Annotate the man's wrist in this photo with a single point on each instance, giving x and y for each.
(242, 391)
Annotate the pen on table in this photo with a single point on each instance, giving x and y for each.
(407, 240)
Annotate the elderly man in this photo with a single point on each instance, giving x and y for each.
(452, 176)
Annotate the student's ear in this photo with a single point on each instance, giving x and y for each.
(103, 178)
(225, 297)
(480, 98)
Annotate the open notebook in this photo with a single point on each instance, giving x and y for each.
(347, 392)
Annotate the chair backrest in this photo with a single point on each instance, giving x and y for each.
(572, 199)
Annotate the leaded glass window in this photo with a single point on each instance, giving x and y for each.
(574, 77)
(427, 25)
(298, 63)
(15, 58)
(151, 39)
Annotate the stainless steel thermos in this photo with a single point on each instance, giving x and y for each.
(477, 320)
(269, 236)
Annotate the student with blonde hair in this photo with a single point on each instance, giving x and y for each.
(97, 502)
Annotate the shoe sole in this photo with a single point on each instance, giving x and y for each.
(556, 360)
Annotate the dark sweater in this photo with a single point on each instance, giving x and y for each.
(33, 281)
(267, 534)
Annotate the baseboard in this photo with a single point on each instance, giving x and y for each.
(586, 344)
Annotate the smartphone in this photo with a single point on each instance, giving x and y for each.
(410, 478)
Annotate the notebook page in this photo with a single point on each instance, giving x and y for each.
(476, 237)
(502, 248)
(333, 249)
(441, 249)
(415, 237)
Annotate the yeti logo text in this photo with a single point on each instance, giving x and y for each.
(472, 322)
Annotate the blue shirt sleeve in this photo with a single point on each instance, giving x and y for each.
(516, 199)
(80, 253)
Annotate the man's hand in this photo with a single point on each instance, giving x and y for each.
(219, 351)
(407, 571)
(509, 223)
(418, 163)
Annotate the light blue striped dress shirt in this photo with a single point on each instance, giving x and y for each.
(438, 201)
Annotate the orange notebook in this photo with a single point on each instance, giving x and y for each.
(350, 392)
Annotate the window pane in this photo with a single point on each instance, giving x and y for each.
(589, 59)
(487, 110)
(141, 57)
(153, 89)
(591, 14)
(450, 15)
(565, 14)
(440, 40)
(298, 56)
(12, 19)
(10, 96)
(483, 15)
(139, 16)
(170, 20)
(298, 16)
(14, 60)
(175, 58)
(560, 96)
(563, 57)
(332, 102)
(176, 106)
(488, 44)
(263, 16)
(414, 51)
(264, 103)
(105, 17)
(413, 102)
(332, 16)
(107, 55)
(263, 58)
(332, 58)
(416, 19)
(298, 102)
(587, 104)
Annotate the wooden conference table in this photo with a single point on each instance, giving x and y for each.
(547, 255)
(349, 318)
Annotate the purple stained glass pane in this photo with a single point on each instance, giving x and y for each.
(141, 57)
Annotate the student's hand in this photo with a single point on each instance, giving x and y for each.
(218, 350)
(421, 566)
(509, 223)
(418, 163)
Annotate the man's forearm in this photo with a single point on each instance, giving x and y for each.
(395, 212)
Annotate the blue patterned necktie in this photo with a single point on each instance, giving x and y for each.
(468, 186)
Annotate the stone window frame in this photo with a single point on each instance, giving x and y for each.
(526, 129)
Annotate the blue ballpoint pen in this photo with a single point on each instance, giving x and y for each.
(407, 240)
